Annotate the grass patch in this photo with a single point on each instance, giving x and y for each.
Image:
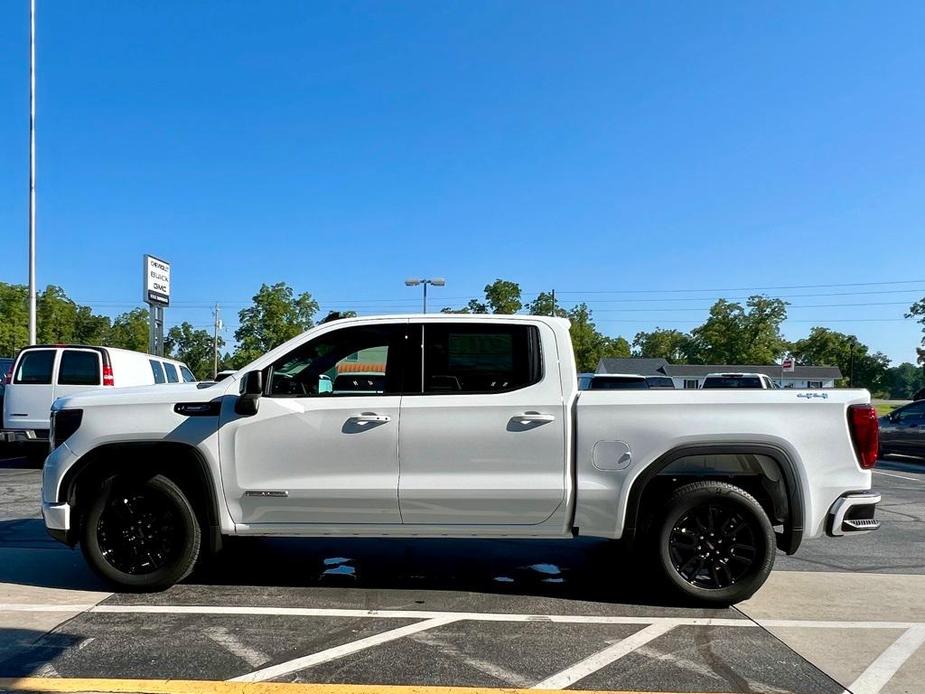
(884, 409)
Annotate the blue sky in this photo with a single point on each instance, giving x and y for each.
(610, 150)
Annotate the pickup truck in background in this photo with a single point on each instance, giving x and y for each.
(476, 428)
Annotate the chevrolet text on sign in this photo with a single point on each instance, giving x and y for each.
(156, 281)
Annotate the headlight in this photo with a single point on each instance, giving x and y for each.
(63, 425)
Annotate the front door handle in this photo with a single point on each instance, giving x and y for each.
(370, 418)
(533, 418)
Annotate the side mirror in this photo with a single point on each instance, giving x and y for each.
(251, 390)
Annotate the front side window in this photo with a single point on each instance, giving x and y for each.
(171, 372)
(35, 366)
(158, 371)
(461, 358)
(911, 413)
(357, 361)
(79, 368)
(186, 374)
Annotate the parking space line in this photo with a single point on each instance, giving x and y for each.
(603, 658)
(881, 671)
(452, 616)
(139, 686)
(902, 477)
(329, 654)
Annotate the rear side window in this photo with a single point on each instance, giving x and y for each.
(171, 372)
(158, 371)
(187, 374)
(460, 358)
(35, 366)
(618, 383)
(79, 368)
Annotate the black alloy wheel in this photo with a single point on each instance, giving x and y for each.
(714, 543)
(140, 533)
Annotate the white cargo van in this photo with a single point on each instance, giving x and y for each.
(42, 373)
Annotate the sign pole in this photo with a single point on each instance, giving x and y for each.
(156, 293)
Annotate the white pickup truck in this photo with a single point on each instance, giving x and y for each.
(475, 428)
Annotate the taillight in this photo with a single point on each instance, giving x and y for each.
(107, 376)
(865, 433)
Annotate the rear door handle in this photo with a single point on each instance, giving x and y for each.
(533, 418)
(370, 418)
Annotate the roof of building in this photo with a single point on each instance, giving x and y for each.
(660, 367)
(633, 365)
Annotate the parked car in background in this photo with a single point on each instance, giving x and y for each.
(660, 382)
(42, 373)
(903, 430)
(223, 374)
(738, 380)
(619, 382)
(920, 395)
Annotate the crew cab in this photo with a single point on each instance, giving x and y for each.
(476, 429)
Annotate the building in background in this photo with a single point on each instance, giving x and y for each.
(691, 376)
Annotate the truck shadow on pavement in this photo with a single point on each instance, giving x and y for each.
(567, 569)
(28, 652)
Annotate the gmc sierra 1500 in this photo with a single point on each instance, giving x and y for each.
(463, 426)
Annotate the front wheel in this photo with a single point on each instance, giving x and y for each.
(715, 542)
(141, 533)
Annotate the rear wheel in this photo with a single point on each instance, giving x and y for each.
(715, 542)
(141, 533)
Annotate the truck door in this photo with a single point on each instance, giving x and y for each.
(316, 454)
(483, 441)
(27, 399)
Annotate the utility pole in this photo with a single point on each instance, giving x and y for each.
(216, 326)
(553, 303)
(32, 332)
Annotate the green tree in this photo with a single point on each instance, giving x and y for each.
(903, 381)
(130, 330)
(193, 347)
(14, 318)
(825, 347)
(55, 317)
(545, 305)
(90, 328)
(275, 316)
(337, 315)
(672, 345)
(503, 296)
(736, 334)
(917, 310)
(589, 344)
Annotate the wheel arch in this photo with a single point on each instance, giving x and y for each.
(182, 463)
(792, 493)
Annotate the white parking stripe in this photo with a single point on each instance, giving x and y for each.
(881, 671)
(340, 651)
(234, 645)
(603, 658)
(452, 616)
(902, 477)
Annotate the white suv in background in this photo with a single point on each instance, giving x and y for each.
(42, 373)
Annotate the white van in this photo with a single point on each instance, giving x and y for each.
(42, 373)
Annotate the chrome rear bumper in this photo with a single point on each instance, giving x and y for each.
(853, 513)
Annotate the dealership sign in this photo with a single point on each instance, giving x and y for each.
(156, 281)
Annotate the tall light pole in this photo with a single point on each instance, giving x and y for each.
(32, 337)
(414, 282)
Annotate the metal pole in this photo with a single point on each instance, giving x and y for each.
(215, 344)
(152, 330)
(32, 332)
(425, 296)
(553, 303)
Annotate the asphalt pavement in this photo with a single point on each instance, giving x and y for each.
(842, 613)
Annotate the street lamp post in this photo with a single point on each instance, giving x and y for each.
(414, 282)
(32, 332)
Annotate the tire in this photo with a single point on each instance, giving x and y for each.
(140, 533)
(723, 568)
